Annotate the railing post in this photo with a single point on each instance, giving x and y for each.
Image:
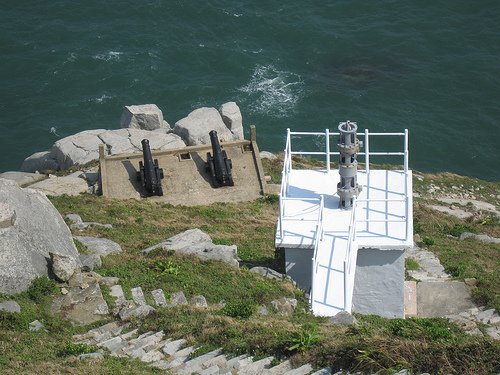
(312, 283)
(406, 151)
(345, 287)
(327, 135)
(406, 156)
(282, 211)
(367, 152)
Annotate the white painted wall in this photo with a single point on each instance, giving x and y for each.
(379, 283)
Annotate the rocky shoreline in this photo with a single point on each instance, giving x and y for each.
(138, 122)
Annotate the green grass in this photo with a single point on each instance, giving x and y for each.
(375, 345)
(411, 264)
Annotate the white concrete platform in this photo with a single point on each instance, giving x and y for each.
(301, 213)
(387, 228)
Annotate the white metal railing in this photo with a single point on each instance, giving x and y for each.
(287, 165)
(318, 240)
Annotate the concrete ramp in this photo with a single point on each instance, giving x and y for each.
(186, 180)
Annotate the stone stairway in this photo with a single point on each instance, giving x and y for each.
(174, 356)
(168, 354)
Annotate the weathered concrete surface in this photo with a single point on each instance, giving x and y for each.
(194, 128)
(22, 178)
(144, 116)
(379, 283)
(187, 181)
(410, 298)
(57, 186)
(38, 229)
(436, 299)
(298, 266)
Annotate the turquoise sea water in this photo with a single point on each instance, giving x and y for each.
(430, 66)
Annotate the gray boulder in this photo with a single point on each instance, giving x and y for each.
(182, 240)
(197, 243)
(22, 178)
(35, 325)
(194, 128)
(40, 161)
(90, 261)
(83, 147)
(231, 115)
(178, 298)
(267, 155)
(199, 301)
(284, 306)
(268, 272)
(343, 318)
(144, 116)
(10, 306)
(99, 246)
(36, 230)
(63, 266)
(80, 148)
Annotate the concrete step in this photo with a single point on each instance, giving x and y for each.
(256, 367)
(279, 369)
(173, 346)
(138, 296)
(302, 370)
(325, 371)
(195, 365)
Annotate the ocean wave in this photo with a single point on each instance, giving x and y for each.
(102, 99)
(108, 56)
(272, 91)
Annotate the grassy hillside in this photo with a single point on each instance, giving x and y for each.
(376, 344)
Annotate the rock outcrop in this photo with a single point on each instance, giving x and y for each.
(197, 243)
(83, 147)
(194, 128)
(231, 115)
(31, 229)
(144, 116)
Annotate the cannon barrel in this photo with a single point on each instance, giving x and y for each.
(218, 164)
(150, 174)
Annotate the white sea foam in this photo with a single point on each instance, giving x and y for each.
(103, 98)
(108, 56)
(272, 91)
(53, 130)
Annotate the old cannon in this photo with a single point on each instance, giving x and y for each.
(218, 165)
(150, 174)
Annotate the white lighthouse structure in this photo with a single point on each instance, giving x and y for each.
(344, 231)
